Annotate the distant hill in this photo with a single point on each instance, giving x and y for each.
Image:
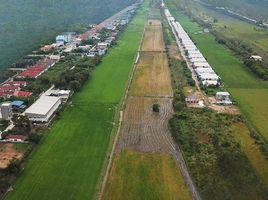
(25, 24)
(257, 9)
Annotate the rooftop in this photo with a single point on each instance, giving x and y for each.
(43, 105)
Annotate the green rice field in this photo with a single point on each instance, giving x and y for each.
(68, 163)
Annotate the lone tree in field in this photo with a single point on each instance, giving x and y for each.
(156, 108)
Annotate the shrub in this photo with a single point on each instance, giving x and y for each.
(156, 108)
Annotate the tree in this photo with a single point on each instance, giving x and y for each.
(14, 167)
(35, 138)
(22, 123)
(3, 183)
(156, 108)
(75, 85)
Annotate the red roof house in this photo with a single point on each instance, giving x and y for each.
(22, 94)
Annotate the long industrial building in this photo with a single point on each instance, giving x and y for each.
(43, 109)
(203, 70)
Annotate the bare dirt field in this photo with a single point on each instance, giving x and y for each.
(8, 152)
(142, 129)
(173, 51)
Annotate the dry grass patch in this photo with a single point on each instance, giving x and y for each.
(153, 37)
(152, 76)
(149, 176)
(173, 51)
(257, 159)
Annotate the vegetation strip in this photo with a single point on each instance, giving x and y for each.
(185, 129)
(68, 163)
(230, 68)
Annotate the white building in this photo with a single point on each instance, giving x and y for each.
(43, 109)
(198, 60)
(256, 58)
(102, 45)
(200, 71)
(209, 77)
(6, 110)
(223, 98)
(200, 65)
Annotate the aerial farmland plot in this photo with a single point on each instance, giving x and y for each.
(69, 162)
(144, 166)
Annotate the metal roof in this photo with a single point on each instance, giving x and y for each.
(43, 105)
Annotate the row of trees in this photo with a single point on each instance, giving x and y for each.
(73, 80)
(244, 51)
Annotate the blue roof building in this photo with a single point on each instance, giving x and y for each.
(18, 104)
(66, 37)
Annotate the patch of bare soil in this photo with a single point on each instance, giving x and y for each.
(8, 153)
(143, 130)
(173, 51)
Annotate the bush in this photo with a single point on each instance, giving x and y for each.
(156, 108)
(34, 138)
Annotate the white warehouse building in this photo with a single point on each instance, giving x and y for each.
(43, 109)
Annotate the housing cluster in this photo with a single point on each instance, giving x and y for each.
(20, 104)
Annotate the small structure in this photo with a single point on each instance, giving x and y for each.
(63, 94)
(256, 58)
(102, 52)
(85, 47)
(223, 98)
(6, 110)
(192, 99)
(43, 109)
(102, 45)
(15, 138)
(18, 104)
(65, 38)
(91, 54)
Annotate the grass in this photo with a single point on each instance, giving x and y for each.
(243, 85)
(68, 163)
(252, 150)
(234, 28)
(145, 176)
(151, 76)
(254, 103)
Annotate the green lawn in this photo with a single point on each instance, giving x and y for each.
(67, 165)
(249, 91)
